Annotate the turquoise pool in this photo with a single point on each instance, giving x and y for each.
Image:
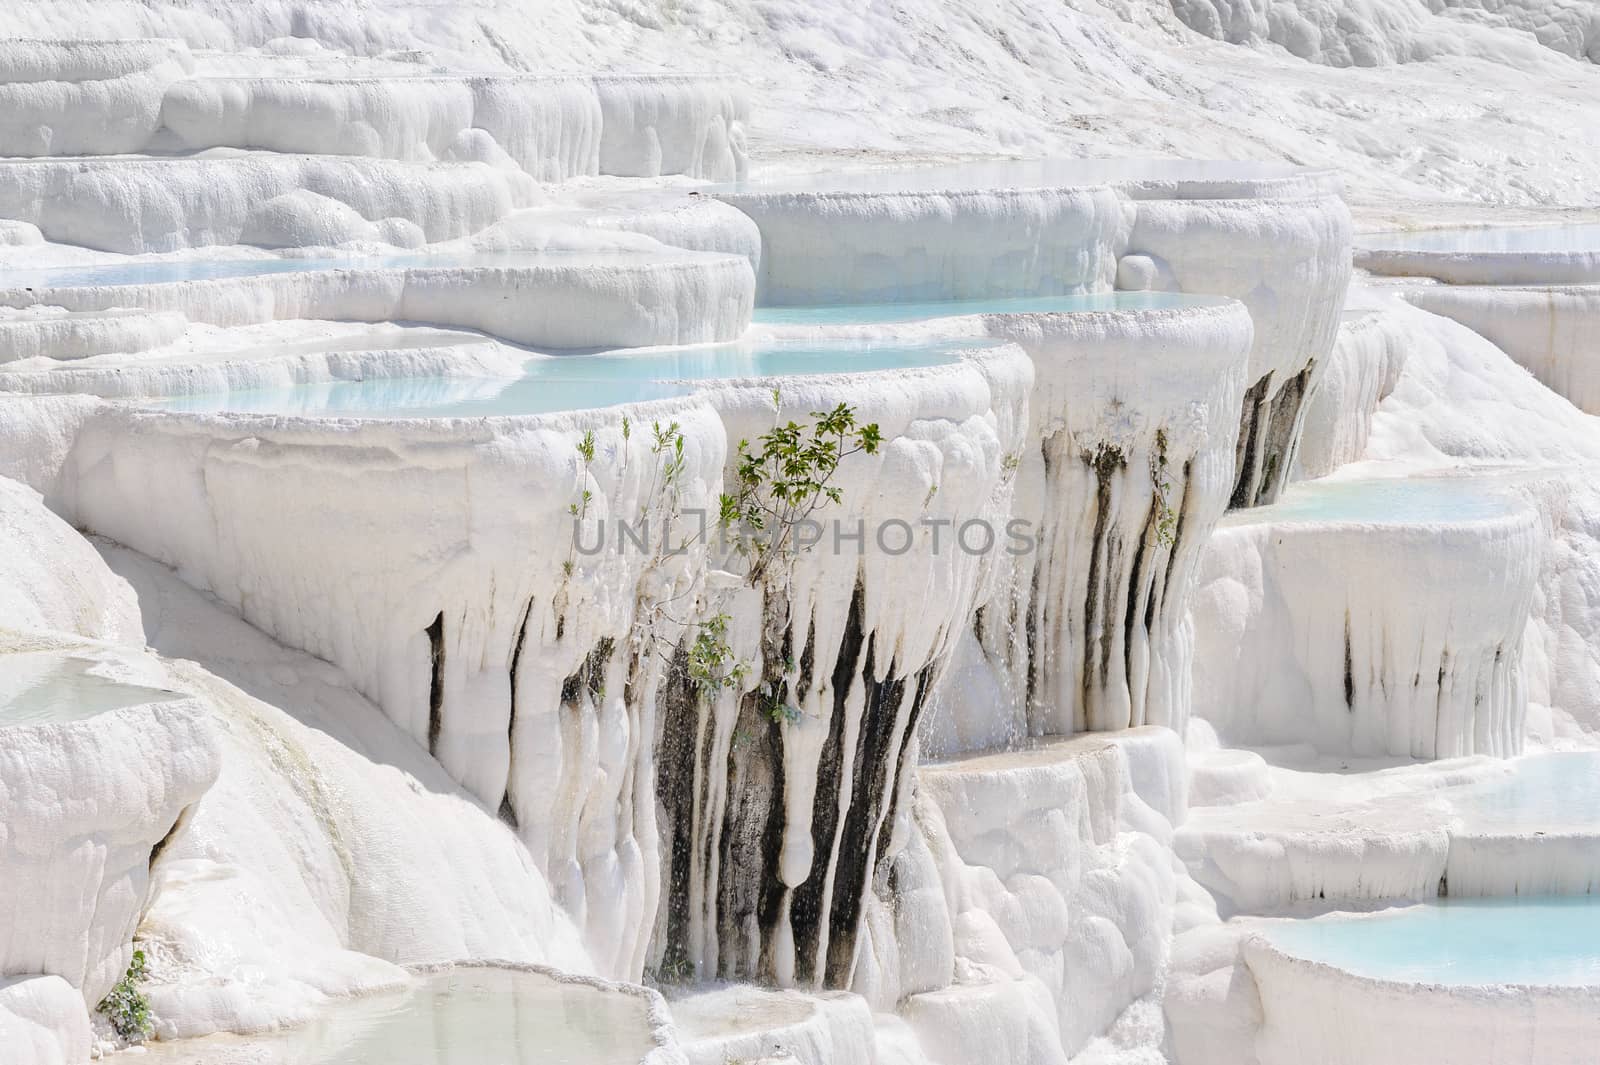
(1542, 792)
(579, 382)
(1489, 240)
(1465, 942)
(1391, 501)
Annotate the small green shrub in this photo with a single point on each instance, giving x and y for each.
(789, 475)
(126, 1007)
(712, 666)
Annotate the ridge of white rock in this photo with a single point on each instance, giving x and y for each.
(331, 849)
(1547, 329)
(1362, 369)
(1370, 618)
(72, 97)
(552, 127)
(742, 1023)
(54, 334)
(1035, 897)
(153, 756)
(272, 355)
(1371, 33)
(151, 204)
(578, 299)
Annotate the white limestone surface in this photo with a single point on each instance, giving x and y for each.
(1369, 34)
(450, 610)
(552, 127)
(1370, 618)
(43, 1021)
(1036, 899)
(1513, 256)
(1127, 466)
(1349, 832)
(849, 246)
(1275, 238)
(1550, 330)
(559, 299)
(685, 124)
(547, 126)
(1461, 402)
(89, 802)
(743, 1023)
(48, 579)
(331, 849)
(272, 355)
(1362, 369)
(155, 204)
(690, 220)
(51, 333)
(84, 97)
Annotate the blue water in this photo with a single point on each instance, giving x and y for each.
(1543, 791)
(1584, 237)
(176, 270)
(39, 688)
(875, 313)
(1393, 501)
(1016, 173)
(1541, 941)
(579, 382)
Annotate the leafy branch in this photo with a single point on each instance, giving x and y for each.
(788, 476)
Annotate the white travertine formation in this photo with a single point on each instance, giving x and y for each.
(85, 97)
(551, 127)
(1273, 237)
(1549, 330)
(1035, 898)
(1370, 618)
(50, 333)
(554, 300)
(89, 801)
(153, 204)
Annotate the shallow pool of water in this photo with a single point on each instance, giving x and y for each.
(39, 688)
(1584, 237)
(1016, 174)
(911, 311)
(172, 271)
(461, 1017)
(579, 382)
(1391, 501)
(1542, 792)
(1542, 941)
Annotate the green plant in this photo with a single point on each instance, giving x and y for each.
(1166, 519)
(580, 509)
(126, 1007)
(778, 711)
(783, 481)
(712, 666)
